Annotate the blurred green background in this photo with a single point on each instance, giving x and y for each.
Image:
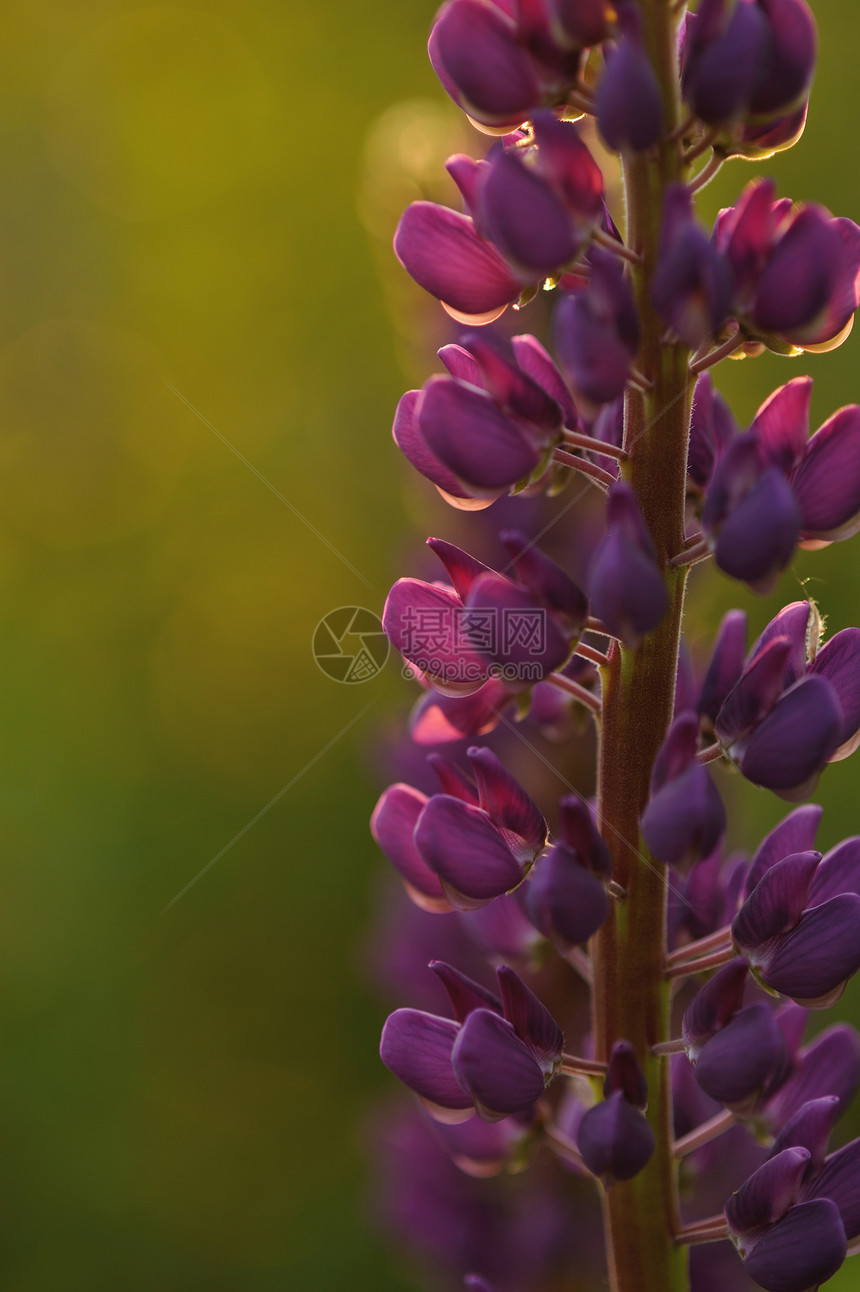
(183, 1091)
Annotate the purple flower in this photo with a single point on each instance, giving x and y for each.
(566, 895)
(692, 284)
(466, 846)
(629, 103)
(627, 589)
(783, 714)
(614, 1138)
(495, 1056)
(597, 334)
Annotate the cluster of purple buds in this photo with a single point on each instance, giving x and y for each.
(686, 974)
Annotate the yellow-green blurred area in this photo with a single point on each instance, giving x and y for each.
(198, 368)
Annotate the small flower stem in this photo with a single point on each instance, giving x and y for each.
(691, 555)
(711, 754)
(606, 240)
(596, 474)
(665, 1048)
(596, 656)
(735, 341)
(640, 381)
(689, 119)
(578, 960)
(580, 693)
(713, 1231)
(580, 441)
(706, 174)
(713, 961)
(713, 942)
(703, 1134)
(702, 146)
(565, 1148)
(572, 1066)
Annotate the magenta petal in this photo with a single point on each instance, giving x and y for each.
(550, 584)
(777, 902)
(791, 622)
(393, 826)
(443, 253)
(462, 568)
(408, 438)
(534, 360)
(839, 872)
(827, 482)
(467, 852)
(531, 1020)
(782, 424)
(738, 1062)
(495, 1066)
(796, 833)
(797, 739)
(472, 437)
(422, 621)
(528, 641)
(525, 219)
(839, 662)
(802, 1251)
(506, 802)
(820, 954)
(840, 1182)
(795, 286)
(437, 719)
(417, 1047)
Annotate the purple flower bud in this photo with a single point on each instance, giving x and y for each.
(529, 642)
(494, 1066)
(624, 1073)
(629, 103)
(766, 1196)
(531, 1020)
(417, 1048)
(485, 449)
(803, 1250)
(626, 587)
(615, 1140)
(567, 902)
(787, 64)
(722, 59)
(475, 53)
(692, 284)
(726, 666)
(685, 818)
(597, 333)
(839, 1182)
(546, 580)
(507, 805)
(788, 751)
(444, 254)
(579, 831)
(742, 1059)
(776, 903)
(809, 1128)
(794, 834)
(563, 159)
(525, 219)
(468, 853)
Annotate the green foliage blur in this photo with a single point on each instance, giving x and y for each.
(198, 368)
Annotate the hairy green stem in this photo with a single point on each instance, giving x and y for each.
(631, 995)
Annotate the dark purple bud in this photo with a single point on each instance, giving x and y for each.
(597, 333)
(756, 692)
(417, 1048)
(467, 851)
(809, 1128)
(813, 962)
(393, 826)
(795, 742)
(796, 833)
(776, 903)
(727, 662)
(786, 67)
(551, 586)
(495, 1067)
(467, 431)
(712, 428)
(839, 662)
(803, 1250)
(443, 253)
(722, 59)
(714, 1005)
(565, 900)
(627, 590)
(781, 425)
(692, 284)
(624, 1073)
(475, 53)
(685, 820)
(615, 1140)
(526, 643)
(795, 287)
(579, 831)
(839, 1182)
(464, 993)
(531, 1020)
(827, 482)
(741, 1059)
(629, 104)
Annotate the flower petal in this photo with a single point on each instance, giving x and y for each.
(393, 826)
(444, 254)
(819, 956)
(495, 1066)
(802, 1251)
(417, 1047)
(467, 852)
